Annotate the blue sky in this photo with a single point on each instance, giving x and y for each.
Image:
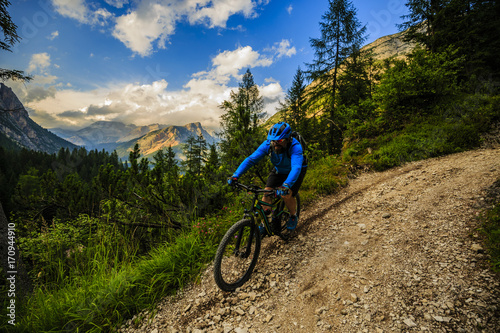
(165, 61)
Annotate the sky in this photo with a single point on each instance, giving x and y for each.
(170, 62)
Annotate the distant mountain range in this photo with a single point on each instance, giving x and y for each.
(17, 129)
(105, 134)
(113, 135)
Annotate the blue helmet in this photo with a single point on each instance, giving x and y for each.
(279, 131)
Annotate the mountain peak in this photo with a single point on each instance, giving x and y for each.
(193, 125)
(9, 101)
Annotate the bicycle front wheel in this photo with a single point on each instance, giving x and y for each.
(237, 255)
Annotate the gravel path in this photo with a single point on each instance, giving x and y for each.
(396, 251)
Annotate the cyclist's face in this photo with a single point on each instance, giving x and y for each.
(279, 145)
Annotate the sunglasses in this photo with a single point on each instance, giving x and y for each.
(278, 141)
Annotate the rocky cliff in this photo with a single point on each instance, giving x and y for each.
(16, 124)
(388, 46)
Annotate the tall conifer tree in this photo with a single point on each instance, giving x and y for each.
(241, 120)
(195, 151)
(341, 32)
(295, 100)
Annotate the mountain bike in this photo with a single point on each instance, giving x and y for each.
(239, 249)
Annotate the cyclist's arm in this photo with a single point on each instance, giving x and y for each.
(297, 158)
(253, 159)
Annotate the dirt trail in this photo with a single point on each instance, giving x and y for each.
(396, 251)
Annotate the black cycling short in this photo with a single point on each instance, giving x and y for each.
(275, 180)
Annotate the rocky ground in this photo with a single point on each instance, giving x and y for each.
(396, 251)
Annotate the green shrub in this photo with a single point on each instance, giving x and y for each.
(324, 176)
(491, 229)
(421, 141)
(412, 87)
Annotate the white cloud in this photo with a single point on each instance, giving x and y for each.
(75, 9)
(231, 62)
(39, 62)
(289, 9)
(53, 35)
(152, 23)
(272, 90)
(39, 66)
(282, 49)
(219, 12)
(149, 24)
(78, 10)
(117, 3)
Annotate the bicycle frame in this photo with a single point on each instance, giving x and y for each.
(257, 210)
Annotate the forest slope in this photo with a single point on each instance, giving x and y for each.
(394, 251)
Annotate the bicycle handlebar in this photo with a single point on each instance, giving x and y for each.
(252, 188)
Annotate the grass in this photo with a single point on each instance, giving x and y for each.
(453, 127)
(490, 228)
(324, 176)
(422, 141)
(105, 297)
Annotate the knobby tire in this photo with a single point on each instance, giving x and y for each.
(237, 255)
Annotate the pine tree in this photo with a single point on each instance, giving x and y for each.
(425, 21)
(240, 122)
(133, 159)
(195, 150)
(341, 32)
(470, 26)
(295, 101)
(171, 164)
(10, 37)
(159, 168)
(212, 164)
(357, 79)
(485, 40)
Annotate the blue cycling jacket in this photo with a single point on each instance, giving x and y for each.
(283, 163)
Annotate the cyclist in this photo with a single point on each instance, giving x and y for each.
(290, 167)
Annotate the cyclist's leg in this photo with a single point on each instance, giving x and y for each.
(290, 201)
(266, 198)
(273, 181)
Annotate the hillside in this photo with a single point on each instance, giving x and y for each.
(389, 46)
(394, 251)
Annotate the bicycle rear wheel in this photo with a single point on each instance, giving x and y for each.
(282, 219)
(237, 255)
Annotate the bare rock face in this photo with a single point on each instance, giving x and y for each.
(391, 45)
(16, 124)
